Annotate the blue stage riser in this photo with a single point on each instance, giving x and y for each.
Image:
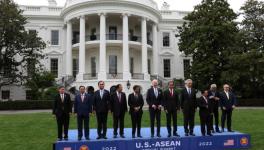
(220, 141)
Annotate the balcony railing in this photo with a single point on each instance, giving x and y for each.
(90, 76)
(96, 37)
(137, 76)
(115, 76)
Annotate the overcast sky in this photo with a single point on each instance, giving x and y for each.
(175, 4)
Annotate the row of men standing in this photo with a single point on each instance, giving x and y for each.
(102, 102)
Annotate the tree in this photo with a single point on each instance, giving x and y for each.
(209, 35)
(17, 46)
(246, 71)
(39, 82)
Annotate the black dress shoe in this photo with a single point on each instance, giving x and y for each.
(169, 135)
(186, 134)
(87, 138)
(115, 136)
(122, 136)
(133, 136)
(158, 135)
(192, 134)
(139, 136)
(213, 131)
(105, 137)
(231, 131)
(66, 139)
(176, 134)
(79, 139)
(98, 138)
(209, 134)
(152, 136)
(203, 134)
(218, 131)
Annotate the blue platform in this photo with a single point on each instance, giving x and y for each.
(218, 141)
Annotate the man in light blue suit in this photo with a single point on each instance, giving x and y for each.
(82, 109)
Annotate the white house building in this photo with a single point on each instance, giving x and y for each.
(117, 41)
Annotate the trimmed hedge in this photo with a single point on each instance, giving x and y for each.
(251, 102)
(25, 105)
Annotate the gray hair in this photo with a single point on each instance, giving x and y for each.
(188, 81)
(213, 86)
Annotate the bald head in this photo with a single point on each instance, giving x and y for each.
(155, 83)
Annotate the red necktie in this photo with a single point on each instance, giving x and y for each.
(171, 93)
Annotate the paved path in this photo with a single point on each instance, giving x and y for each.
(10, 112)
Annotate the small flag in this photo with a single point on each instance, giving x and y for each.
(229, 143)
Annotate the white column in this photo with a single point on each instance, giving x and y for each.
(69, 49)
(126, 73)
(144, 49)
(155, 49)
(81, 49)
(102, 55)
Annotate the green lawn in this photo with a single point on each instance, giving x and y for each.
(38, 131)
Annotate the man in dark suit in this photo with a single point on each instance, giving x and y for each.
(205, 111)
(136, 102)
(119, 108)
(82, 109)
(171, 105)
(227, 104)
(188, 106)
(62, 109)
(154, 99)
(214, 97)
(101, 107)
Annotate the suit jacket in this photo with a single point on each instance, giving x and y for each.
(151, 98)
(170, 102)
(215, 104)
(134, 101)
(205, 107)
(83, 107)
(188, 101)
(225, 102)
(62, 107)
(101, 105)
(117, 107)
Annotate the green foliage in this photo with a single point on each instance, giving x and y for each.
(209, 36)
(17, 46)
(245, 70)
(41, 85)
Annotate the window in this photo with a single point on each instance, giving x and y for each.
(149, 66)
(29, 95)
(54, 66)
(112, 64)
(112, 33)
(32, 31)
(93, 67)
(75, 67)
(6, 94)
(166, 39)
(167, 68)
(30, 67)
(186, 67)
(55, 37)
(131, 65)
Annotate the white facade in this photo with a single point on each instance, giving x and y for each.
(109, 40)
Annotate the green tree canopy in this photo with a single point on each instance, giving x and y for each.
(209, 35)
(17, 46)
